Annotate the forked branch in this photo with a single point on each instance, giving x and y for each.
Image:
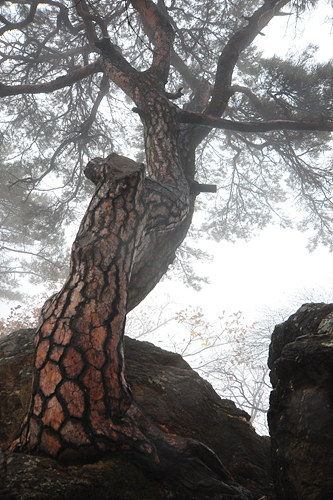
(230, 54)
(162, 39)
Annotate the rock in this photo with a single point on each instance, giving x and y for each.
(301, 405)
(169, 392)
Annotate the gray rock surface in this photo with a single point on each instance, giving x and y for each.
(301, 406)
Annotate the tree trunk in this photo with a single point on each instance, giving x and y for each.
(79, 391)
(79, 386)
(81, 406)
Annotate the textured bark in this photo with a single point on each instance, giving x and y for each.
(81, 406)
(165, 228)
(79, 384)
(79, 392)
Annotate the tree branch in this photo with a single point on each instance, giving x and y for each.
(230, 54)
(104, 88)
(118, 69)
(35, 254)
(267, 126)
(58, 83)
(17, 26)
(83, 11)
(186, 73)
(162, 39)
(63, 18)
(252, 98)
(50, 56)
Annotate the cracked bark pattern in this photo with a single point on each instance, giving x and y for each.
(79, 386)
(125, 243)
(81, 406)
(166, 169)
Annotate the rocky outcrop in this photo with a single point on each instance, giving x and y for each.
(169, 392)
(301, 407)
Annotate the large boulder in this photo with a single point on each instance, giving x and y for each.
(168, 391)
(301, 405)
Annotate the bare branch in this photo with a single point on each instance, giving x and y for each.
(104, 88)
(50, 56)
(88, 21)
(35, 254)
(252, 98)
(181, 67)
(267, 126)
(58, 83)
(14, 26)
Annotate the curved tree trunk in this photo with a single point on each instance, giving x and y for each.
(81, 406)
(79, 386)
(128, 237)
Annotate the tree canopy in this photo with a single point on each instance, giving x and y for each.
(258, 128)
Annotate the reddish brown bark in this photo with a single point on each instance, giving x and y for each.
(80, 400)
(79, 387)
(81, 406)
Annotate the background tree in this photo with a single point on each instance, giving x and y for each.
(228, 353)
